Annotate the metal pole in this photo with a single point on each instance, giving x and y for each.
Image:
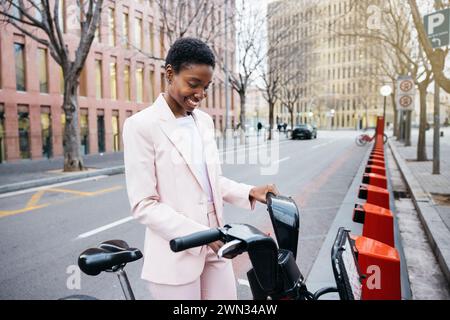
(408, 128)
(125, 284)
(436, 138)
(227, 98)
(384, 110)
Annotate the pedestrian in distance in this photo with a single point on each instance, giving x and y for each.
(175, 184)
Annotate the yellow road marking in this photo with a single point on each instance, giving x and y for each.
(32, 203)
(35, 199)
(11, 212)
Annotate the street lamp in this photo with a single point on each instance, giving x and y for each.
(385, 92)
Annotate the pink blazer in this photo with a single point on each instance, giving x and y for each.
(166, 196)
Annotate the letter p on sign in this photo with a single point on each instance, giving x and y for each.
(435, 21)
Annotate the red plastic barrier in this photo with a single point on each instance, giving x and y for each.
(375, 179)
(381, 265)
(378, 222)
(376, 169)
(375, 195)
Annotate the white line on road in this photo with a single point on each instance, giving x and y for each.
(282, 160)
(15, 193)
(101, 229)
(243, 282)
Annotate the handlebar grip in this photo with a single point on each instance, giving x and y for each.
(195, 240)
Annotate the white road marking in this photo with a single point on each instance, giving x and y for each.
(106, 227)
(243, 282)
(15, 193)
(282, 160)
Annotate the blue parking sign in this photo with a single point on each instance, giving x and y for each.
(437, 27)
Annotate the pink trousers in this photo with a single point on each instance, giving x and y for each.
(217, 281)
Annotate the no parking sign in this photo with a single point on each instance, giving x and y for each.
(405, 93)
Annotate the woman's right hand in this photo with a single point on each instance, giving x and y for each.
(216, 245)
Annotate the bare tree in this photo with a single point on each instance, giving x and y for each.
(196, 18)
(394, 30)
(27, 16)
(289, 98)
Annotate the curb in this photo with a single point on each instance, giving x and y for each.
(48, 181)
(435, 229)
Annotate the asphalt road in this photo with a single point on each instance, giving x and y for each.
(42, 232)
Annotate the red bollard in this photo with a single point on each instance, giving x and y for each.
(381, 265)
(378, 222)
(376, 162)
(375, 179)
(374, 195)
(376, 169)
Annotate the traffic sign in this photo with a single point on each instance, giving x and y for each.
(405, 93)
(437, 27)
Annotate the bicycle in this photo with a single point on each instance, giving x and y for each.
(274, 274)
(363, 139)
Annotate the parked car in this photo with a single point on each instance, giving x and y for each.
(304, 131)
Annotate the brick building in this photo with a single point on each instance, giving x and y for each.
(123, 74)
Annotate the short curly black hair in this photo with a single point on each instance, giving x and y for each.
(185, 51)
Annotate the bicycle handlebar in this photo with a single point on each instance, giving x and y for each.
(195, 240)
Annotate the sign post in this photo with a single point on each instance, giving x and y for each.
(437, 26)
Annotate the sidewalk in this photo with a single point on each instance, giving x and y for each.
(26, 174)
(430, 193)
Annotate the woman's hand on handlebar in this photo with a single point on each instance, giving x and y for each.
(259, 193)
(216, 245)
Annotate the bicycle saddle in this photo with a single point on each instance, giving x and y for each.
(108, 256)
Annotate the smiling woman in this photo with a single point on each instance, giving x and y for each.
(175, 184)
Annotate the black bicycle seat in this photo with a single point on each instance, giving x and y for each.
(114, 245)
(95, 260)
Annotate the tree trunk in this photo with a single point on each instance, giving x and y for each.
(292, 119)
(271, 106)
(394, 106)
(421, 143)
(242, 117)
(71, 140)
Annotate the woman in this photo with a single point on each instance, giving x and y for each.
(175, 184)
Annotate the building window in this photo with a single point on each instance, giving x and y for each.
(138, 33)
(139, 83)
(151, 38)
(98, 79)
(101, 130)
(43, 70)
(46, 132)
(62, 15)
(84, 130)
(115, 130)
(162, 43)
(83, 85)
(125, 29)
(152, 86)
(163, 82)
(19, 53)
(113, 79)
(61, 80)
(112, 27)
(2, 133)
(126, 80)
(24, 132)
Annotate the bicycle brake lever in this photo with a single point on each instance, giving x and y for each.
(228, 248)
